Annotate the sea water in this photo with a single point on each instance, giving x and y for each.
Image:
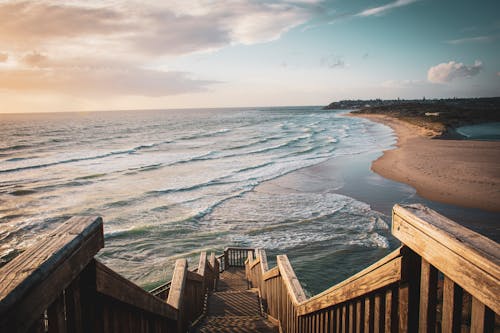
(485, 131)
(172, 183)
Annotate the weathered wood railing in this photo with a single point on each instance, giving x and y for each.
(420, 287)
(444, 278)
(58, 286)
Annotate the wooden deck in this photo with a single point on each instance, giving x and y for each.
(233, 307)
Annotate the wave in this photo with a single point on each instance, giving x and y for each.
(15, 147)
(204, 134)
(87, 158)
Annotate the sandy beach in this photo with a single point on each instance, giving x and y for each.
(457, 172)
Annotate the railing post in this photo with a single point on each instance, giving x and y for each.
(226, 259)
(409, 291)
(176, 294)
(202, 270)
(91, 306)
(215, 265)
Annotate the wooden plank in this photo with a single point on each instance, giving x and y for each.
(428, 298)
(391, 307)
(178, 284)
(73, 307)
(272, 273)
(113, 285)
(368, 318)
(360, 311)
(57, 316)
(403, 305)
(254, 262)
(378, 313)
(202, 264)
(290, 280)
(378, 276)
(482, 318)
(352, 317)
(34, 279)
(468, 258)
(452, 306)
(192, 276)
(263, 260)
(465, 242)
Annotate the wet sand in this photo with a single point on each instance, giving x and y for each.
(458, 172)
(353, 176)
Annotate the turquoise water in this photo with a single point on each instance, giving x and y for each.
(172, 183)
(486, 131)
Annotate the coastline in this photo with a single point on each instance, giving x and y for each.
(458, 172)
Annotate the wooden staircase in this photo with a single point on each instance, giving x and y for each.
(443, 278)
(233, 307)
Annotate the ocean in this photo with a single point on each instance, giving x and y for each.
(171, 183)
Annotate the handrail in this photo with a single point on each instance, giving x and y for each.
(382, 273)
(58, 286)
(399, 292)
(291, 282)
(468, 258)
(112, 284)
(36, 278)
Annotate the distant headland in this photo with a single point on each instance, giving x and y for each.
(438, 116)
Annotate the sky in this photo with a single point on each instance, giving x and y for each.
(112, 55)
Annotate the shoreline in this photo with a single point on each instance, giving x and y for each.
(458, 172)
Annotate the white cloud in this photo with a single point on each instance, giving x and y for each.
(173, 27)
(478, 39)
(104, 46)
(447, 72)
(385, 8)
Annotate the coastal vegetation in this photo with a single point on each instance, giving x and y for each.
(439, 116)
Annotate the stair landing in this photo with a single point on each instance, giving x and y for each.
(234, 307)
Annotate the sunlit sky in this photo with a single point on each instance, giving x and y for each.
(109, 55)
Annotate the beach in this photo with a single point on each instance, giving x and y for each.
(457, 172)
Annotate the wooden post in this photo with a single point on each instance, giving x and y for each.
(226, 259)
(409, 291)
(175, 296)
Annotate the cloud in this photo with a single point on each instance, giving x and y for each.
(102, 81)
(109, 46)
(447, 72)
(35, 59)
(478, 39)
(498, 73)
(3, 57)
(385, 8)
(38, 21)
(176, 27)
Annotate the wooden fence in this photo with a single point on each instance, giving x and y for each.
(444, 278)
(58, 286)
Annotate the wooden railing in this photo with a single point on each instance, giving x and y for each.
(444, 278)
(236, 256)
(58, 286)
